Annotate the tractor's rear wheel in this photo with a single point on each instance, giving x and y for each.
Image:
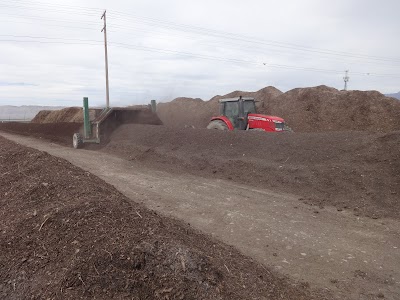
(77, 141)
(217, 124)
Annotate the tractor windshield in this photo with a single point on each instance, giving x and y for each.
(249, 107)
(231, 109)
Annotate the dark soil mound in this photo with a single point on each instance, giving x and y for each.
(60, 133)
(349, 170)
(326, 109)
(188, 112)
(66, 234)
(315, 109)
(65, 115)
(41, 116)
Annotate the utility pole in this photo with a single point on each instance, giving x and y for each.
(106, 55)
(346, 79)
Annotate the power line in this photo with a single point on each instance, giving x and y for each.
(121, 27)
(115, 26)
(221, 34)
(227, 35)
(186, 54)
(52, 6)
(53, 42)
(46, 38)
(253, 48)
(40, 9)
(167, 51)
(54, 25)
(232, 45)
(41, 18)
(149, 49)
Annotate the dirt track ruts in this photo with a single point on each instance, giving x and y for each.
(356, 257)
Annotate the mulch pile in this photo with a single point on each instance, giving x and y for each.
(66, 234)
(322, 109)
(41, 116)
(188, 112)
(65, 115)
(60, 133)
(316, 109)
(355, 171)
(58, 116)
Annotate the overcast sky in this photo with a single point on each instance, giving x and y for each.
(52, 52)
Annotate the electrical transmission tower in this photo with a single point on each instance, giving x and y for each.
(346, 79)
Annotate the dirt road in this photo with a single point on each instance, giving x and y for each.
(356, 257)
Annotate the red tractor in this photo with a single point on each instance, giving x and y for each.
(241, 114)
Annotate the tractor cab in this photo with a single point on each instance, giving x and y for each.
(241, 114)
(237, 110)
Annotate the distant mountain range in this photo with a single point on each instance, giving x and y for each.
(26, 113)
(397, 95)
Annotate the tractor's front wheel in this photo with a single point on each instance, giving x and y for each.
(217, 124)
(77, 141)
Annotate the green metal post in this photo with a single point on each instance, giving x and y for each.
(153, 106)
(86, 118)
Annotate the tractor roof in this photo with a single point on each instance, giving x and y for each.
(236, 99)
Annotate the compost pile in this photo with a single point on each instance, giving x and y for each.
(355, 171)
(188, 112)
(327, 109)
(60, 133)
(65, 115)
(316, 109)
(66, 234)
